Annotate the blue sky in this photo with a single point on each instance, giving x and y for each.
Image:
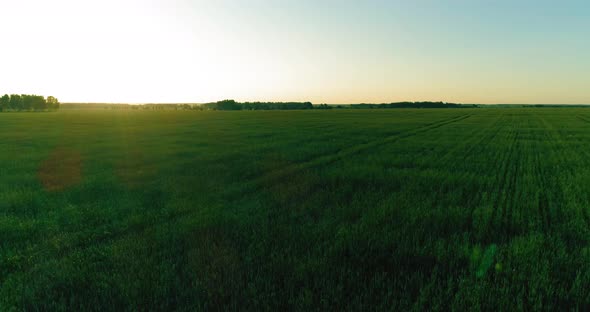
(322, 51)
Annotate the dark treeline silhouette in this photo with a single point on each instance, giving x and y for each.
(118, 106)
(220, 105)
(233, 105)
(412, 105)
(27, 102)
(326, 106)
(556, 105)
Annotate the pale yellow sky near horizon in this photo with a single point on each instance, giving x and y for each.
(154, 51)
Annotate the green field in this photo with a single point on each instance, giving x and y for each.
(396, 209)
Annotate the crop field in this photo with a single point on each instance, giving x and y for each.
(400, 209)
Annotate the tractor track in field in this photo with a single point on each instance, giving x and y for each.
(546, 185)
(475, 142)
(508, 200)
(504, 183)
(281, 173)
(509, 203)
(479, 195)
(345, 152)
(471, 145)
(562, 158)
(585, 213)
(544, 209)
(543, 205)
(541, 176)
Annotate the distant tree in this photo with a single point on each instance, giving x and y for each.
(323, 106)
(233, 105)
(227, 105)
(38, 102)
(5, 102)
(52, 103)
(27, 101)
(16, 102)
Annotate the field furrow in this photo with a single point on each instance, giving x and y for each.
(503, 187)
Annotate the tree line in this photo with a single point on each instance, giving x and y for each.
(220, 105)
(27, 102)
(233, 105)
(413, 105)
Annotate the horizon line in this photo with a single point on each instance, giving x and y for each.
(353, 103)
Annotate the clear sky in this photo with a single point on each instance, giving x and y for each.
(324, 51)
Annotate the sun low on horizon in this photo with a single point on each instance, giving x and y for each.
(182, 51)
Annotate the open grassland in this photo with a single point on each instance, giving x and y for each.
(329, 210)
